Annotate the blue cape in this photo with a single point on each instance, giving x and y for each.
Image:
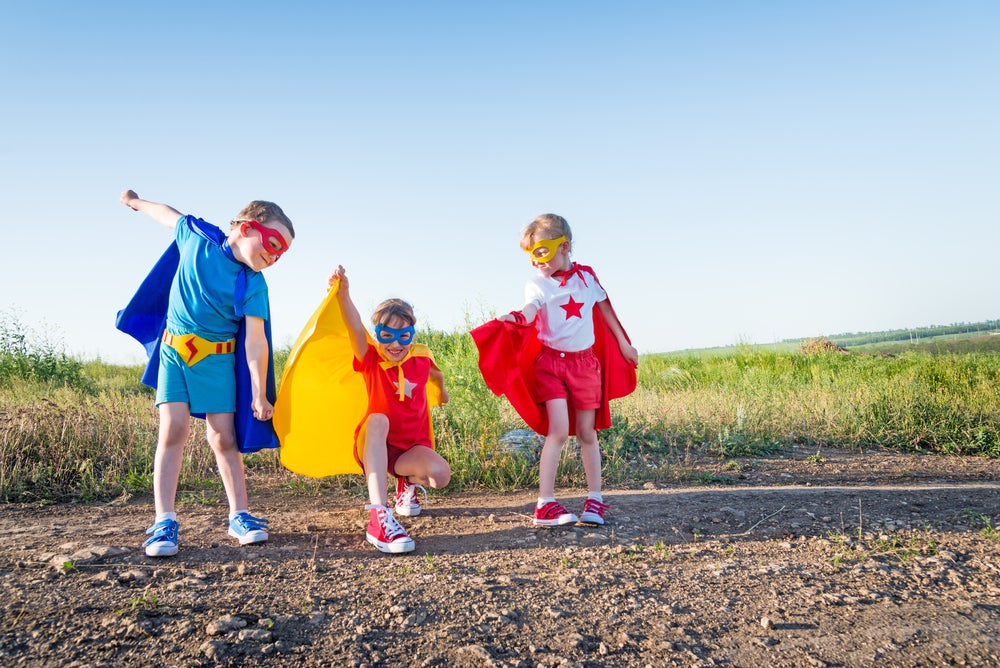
(145, 318)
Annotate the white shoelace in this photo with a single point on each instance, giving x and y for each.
(390, 524)
(410, 493)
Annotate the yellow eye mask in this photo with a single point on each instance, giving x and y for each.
(545, 250)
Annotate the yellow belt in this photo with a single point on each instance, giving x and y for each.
(193, 349)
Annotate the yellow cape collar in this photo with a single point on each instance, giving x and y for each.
(416, 350)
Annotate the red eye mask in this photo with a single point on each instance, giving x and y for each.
(273, 242)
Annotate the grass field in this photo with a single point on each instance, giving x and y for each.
(87, 430)
(966, 337)
(945, 344)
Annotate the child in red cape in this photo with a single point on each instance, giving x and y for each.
(560, 360)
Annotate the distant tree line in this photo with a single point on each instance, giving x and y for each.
(916, 334)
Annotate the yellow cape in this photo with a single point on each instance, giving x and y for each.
(322, 399)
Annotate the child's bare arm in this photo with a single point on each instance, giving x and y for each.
(628, 351)
(528, 312)
(162, 213)
(437, 376)
(257, 354)
(355, 327)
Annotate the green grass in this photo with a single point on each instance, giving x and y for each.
(900, 547)
(941, 345)
(936, 339)
(27, 355)
(754, 399)
(91, 434)
(984, 524)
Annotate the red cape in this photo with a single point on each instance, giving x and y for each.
(507, 353)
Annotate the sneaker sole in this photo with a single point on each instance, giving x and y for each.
(589, 518)
(398, 547)
(407, 511)
(250, 538)
(560, 521)
(161, 550)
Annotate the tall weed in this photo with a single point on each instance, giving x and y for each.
(26, 354)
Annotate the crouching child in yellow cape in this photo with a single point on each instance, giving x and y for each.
(392, 431)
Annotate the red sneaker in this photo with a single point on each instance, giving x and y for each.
(385, 533)
(552, 514)
(593, 511)
(407, 502)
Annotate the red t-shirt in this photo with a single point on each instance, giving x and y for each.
(409, 419)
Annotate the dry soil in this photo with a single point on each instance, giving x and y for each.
(845, 559)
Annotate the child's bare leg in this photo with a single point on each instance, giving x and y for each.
(375, 458)
(221, 433)
(423, 466)
(384, 531)
(590, 450)
(558, 413)
(173, 434)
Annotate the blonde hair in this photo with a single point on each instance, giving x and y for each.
(385, 311)
(545, 226)
(265, 213)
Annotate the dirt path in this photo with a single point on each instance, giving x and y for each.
(825, 570)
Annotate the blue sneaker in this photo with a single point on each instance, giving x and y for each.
(248, 529)
(163, 542)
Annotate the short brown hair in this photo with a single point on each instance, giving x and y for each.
(545, 226)
(265, 213)
(393, 307)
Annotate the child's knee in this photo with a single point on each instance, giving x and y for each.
(556, 439)
(221, 442)
(173, 432)
(440, 475)
(377, 425)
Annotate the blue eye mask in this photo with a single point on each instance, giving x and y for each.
(386, 335)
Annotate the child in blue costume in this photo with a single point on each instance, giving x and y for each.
(196, 360)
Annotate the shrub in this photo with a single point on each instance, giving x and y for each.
(820, 346)
(27, 355)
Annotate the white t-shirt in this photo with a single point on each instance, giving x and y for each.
(565, 318)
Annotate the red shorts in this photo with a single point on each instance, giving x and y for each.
(393, 453)
(575, 377)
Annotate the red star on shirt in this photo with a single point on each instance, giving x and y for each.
(572, 308)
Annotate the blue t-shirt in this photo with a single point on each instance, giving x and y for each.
(202, 295)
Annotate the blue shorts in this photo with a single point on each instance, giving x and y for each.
(207, 387)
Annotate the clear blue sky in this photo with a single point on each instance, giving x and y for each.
(734, 171)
